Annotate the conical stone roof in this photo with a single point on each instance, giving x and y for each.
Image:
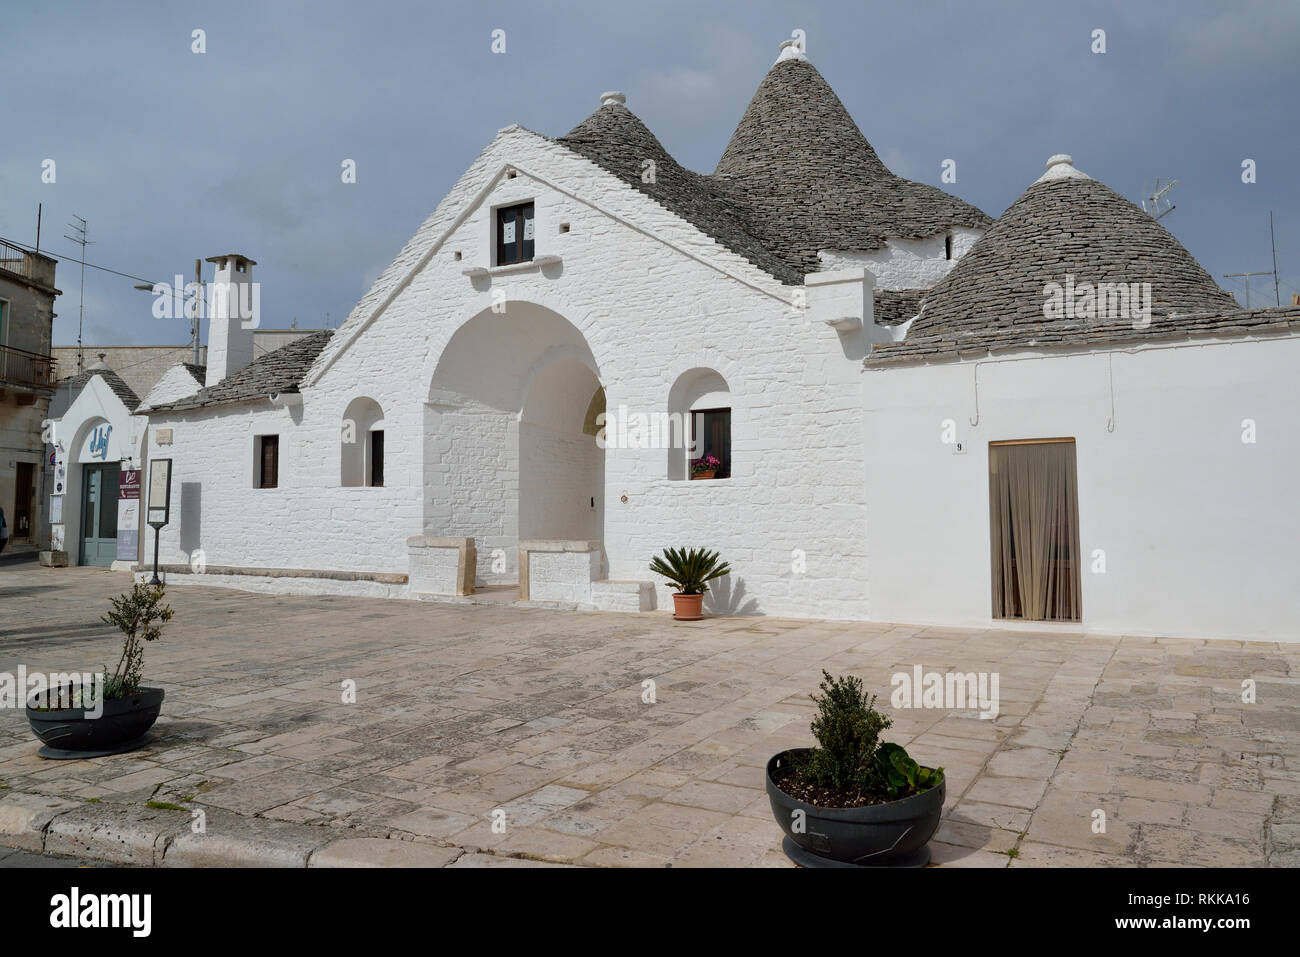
(813, 181)
(1070, 230)
(797, 177)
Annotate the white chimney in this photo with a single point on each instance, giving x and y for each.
(233, 314)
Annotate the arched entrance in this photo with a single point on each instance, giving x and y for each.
(506, 454)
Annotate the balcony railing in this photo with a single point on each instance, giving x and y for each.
(31, 369)
(29, 265)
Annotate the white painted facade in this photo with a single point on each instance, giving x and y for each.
(1195, 522)
(907, 263)
(176, 383)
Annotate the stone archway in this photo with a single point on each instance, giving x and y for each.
(506, 455)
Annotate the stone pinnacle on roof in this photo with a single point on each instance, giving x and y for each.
(1061, 166)
(792, 50)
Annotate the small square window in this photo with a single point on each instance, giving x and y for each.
(514, 234)
(564, 227)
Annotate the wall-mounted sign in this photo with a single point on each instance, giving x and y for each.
(162, 436)
(128, 515)
(56, 509)
(160, 492)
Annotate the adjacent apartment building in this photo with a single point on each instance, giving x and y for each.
(27, 380)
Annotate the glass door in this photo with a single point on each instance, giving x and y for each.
(99, 514)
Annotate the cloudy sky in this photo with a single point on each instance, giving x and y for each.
(173, 155)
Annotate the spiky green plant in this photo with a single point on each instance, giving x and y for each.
(689, 569)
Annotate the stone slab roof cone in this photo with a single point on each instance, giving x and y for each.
(797, 177)
(1066, 226)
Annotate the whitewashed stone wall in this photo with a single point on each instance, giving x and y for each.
(906, 263)
(1197, 528)
(308, 522)
(174, 384)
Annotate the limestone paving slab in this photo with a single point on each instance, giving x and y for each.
(463, 710)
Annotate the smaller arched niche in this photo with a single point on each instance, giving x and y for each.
(361, 445)
(699, 405)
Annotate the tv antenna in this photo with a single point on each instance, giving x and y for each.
(1246, 276)
(79, 228)
(1156, 201)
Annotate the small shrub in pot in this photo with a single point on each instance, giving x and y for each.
(853, 800)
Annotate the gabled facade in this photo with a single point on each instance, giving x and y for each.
(559, 280)
(96, 444)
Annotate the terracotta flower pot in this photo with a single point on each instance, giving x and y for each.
(688, 607)
(702, 475)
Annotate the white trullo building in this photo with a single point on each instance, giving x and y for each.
(446, 436)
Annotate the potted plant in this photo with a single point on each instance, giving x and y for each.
(691, 571)
(854, 800)
(78, 723)
(706, 467)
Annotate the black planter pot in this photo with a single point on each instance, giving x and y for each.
(879, 835)
(123, 726)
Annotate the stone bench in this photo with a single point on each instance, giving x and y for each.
(441, 566)
(556, 570)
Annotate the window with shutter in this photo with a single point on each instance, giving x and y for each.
(514, 234)
(268, 461)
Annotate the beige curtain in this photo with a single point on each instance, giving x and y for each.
(1033, 505)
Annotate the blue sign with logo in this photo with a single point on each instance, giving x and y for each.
(99, 441)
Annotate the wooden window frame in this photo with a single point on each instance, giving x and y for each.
(375, 463)
(726, 462)
(260, 462)
(500, 216)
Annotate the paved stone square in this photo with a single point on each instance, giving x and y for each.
(464, 710)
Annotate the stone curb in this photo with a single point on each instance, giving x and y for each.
(158, 837)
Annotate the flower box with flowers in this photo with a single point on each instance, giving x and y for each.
(706, 467)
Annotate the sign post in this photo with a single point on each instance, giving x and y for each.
(158, 504)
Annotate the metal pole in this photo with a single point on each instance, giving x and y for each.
(1277, 293)
(195, 319)
(155, 580)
